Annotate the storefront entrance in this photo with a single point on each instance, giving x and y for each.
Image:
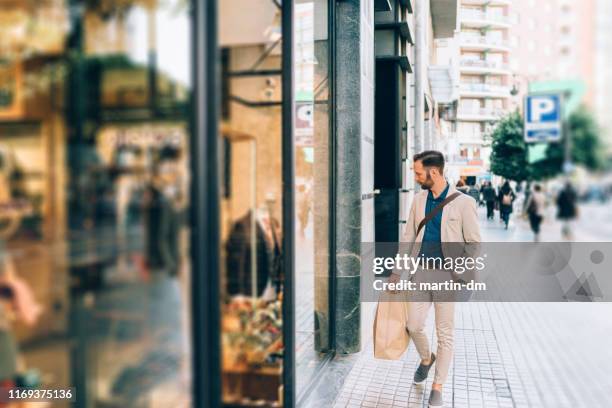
(269, 140)
(167, 200)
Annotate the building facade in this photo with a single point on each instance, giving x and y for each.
(557, 30)
(603, 77)
(485, 82)
(185, 187)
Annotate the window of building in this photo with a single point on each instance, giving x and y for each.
(531, 46)
(95, 176)
(531, 24)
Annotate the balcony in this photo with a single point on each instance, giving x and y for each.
(472, 66)
(483, 90)
(484, 43)
(480, 114)
(480, 19)
(444, 17)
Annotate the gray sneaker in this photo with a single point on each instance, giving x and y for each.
(435, 399)
(422, 372)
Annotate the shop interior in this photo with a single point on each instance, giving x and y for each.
(251, 206)
(94, 176)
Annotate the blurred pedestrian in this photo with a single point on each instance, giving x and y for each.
(535, 210)
(17, 303)
(460, 186)
(304, 206)
(566, 209)
(166, 203)
(506, 199)
(473, 192)
(488, 196)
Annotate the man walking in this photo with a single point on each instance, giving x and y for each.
(567, 211)
(439, 214)
(489, 196)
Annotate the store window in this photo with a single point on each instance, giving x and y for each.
(252, 276)
(253, 279)
(312, 201)
(94, 159)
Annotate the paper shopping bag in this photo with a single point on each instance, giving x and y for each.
(390, 335)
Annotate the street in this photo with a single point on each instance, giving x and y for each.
(594, 224)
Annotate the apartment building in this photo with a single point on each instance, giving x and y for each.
(485, 82)
(554, 40)
(603, 61)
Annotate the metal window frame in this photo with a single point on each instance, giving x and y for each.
(331, 211)
(288, 180)
(205, 206)
(331, 32)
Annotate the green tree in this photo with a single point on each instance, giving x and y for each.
(587, 149)
(508, 149)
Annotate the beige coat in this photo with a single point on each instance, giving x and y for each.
(459, 224)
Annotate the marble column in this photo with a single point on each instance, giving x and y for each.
(354, 111)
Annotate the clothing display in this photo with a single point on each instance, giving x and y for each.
(238, 261)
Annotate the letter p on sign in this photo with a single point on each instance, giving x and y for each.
(541, 107)
(544, 108)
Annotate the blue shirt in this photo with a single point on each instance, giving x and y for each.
(431, 246)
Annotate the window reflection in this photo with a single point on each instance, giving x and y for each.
(312, 141)
(252, 277)
(94, 159)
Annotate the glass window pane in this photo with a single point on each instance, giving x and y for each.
(312, 141)
(251, 202)
(94, 176)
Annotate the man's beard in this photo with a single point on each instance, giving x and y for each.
(428, 183)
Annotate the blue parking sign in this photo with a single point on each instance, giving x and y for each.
(542, 118)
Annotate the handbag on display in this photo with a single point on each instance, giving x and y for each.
(391, 337)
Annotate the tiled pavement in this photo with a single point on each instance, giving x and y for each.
(506, 355)
(479, 376)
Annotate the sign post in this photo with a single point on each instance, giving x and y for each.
(543, 121)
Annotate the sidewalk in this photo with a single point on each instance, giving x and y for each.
(506, 355)
(593, 224)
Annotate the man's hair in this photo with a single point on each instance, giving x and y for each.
(431, 158)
